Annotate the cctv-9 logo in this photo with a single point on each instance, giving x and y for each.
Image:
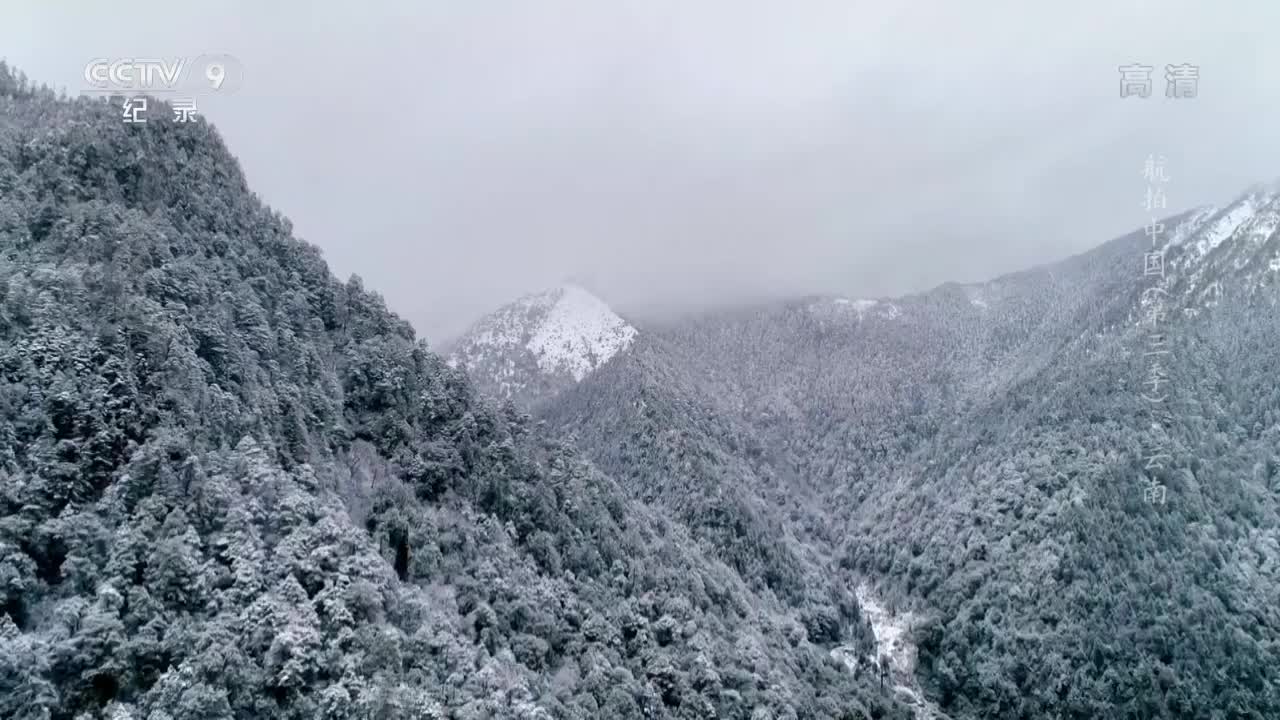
(212, 74)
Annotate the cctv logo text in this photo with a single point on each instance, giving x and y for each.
(138, 74)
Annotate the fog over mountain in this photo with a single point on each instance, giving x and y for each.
(677, 155)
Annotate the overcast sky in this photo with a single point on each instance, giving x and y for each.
(675, 153)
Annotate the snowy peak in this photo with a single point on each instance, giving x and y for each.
(542, 342)
(578, 333)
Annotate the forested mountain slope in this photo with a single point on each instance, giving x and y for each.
(234, 487)
(1023, 527)
(980, 454)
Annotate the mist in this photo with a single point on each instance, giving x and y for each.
(672, 155)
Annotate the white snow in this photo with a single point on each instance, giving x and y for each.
(1192, 225)
(892, 632)
(1224, 227)
(977, 295)
(893, 641)
(578, 334)
(1246, 225)
(565, 330)
(1211, 293)
(1262, 227)
(860, 306)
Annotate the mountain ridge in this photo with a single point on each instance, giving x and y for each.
(1198, 243)
(985, 466)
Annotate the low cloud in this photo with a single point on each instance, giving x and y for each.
(679, 154)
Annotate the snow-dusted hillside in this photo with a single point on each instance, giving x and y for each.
(1234, 249)
(542, 342)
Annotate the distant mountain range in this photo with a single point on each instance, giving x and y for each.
(542, 343)
(980, 456)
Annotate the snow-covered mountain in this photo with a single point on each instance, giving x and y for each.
(970, 462)
(541, 343)
(977, 454)
(1229, 250)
